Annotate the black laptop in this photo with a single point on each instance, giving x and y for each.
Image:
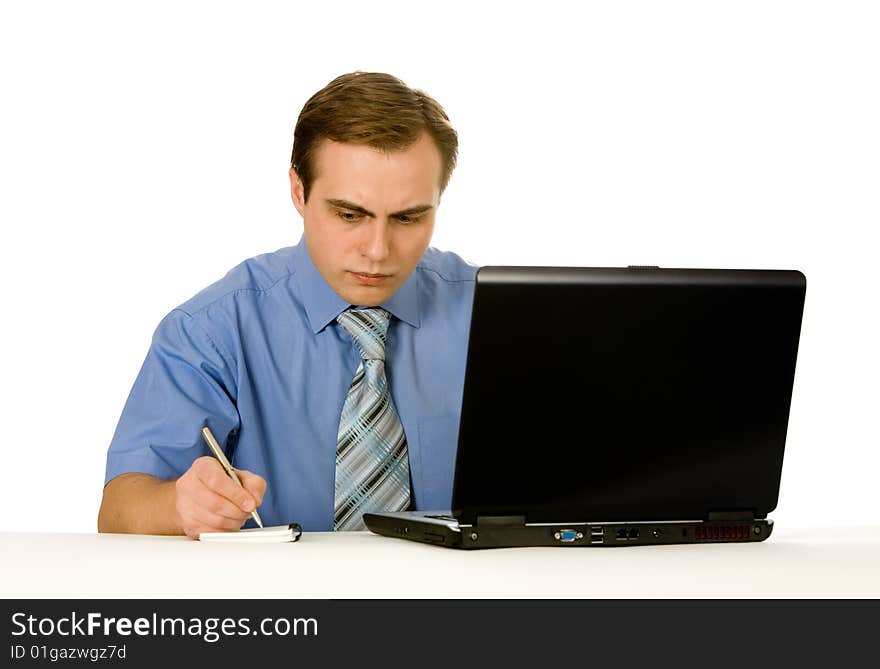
(619, 407)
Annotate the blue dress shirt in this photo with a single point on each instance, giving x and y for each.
(259, 358)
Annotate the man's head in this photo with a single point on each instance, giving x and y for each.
(371, 157)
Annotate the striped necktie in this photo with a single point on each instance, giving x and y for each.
(372, 467)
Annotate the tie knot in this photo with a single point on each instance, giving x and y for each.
(367, 327)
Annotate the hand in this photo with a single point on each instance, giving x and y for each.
(208, 500)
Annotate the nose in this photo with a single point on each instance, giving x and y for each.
(376, 243)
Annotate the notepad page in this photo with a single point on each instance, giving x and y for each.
(275, 534)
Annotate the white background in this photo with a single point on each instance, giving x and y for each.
(144, 150)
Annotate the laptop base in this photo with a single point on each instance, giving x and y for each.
(441, 529)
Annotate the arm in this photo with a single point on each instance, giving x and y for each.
(204, 499)
(157, 479)
(139, 504)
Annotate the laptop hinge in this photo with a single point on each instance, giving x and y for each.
(731, 515)
(500, 520)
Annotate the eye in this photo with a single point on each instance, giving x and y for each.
(406, 219)
(348, 216)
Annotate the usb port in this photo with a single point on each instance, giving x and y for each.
(597, 535)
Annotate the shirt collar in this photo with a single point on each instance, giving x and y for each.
(323, 305)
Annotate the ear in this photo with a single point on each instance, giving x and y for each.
(297, 192)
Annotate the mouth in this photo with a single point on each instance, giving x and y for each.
(369, 279)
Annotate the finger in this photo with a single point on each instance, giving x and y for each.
(195, 520)
(193, 492)
(255, 484)
(217, 480)
(211, 522)
(205, 498)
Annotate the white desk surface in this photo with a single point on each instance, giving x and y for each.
(823, 563)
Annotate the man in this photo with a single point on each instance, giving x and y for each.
(331, 372)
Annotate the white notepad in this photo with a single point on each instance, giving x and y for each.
(258, 535)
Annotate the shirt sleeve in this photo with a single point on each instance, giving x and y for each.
(184, 384)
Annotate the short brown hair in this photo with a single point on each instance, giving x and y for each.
(374, 109)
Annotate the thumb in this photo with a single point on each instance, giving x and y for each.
(253, 483)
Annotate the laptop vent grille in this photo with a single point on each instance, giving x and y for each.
(722, 532)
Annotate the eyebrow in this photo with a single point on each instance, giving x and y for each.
(351, 206)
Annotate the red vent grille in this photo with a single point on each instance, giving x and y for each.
(722, 532)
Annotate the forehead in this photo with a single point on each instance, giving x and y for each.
(362, 173)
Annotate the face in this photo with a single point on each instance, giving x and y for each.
(369, 216)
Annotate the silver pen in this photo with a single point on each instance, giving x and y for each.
(218, 453)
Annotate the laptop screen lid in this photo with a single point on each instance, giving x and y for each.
(604, 394)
